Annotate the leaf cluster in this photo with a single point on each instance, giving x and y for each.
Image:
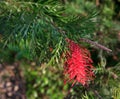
(40, 26)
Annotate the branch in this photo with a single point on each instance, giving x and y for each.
(95, 44)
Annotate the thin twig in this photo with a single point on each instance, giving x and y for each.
(97, 94)
(96, 44)
(82, 39)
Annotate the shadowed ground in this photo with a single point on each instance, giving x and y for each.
(12, 84)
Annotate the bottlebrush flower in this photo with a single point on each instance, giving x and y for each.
(78, 64)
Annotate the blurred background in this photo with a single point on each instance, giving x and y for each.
(31, 44)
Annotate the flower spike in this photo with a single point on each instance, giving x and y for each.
(78, 64)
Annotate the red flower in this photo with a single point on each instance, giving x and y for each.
(78, 64)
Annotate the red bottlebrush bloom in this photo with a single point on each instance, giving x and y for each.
(78, 64)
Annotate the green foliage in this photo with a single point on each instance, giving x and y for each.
(35, 30)
(40, 25)
(12, 53)
(116, 93)
(43, 82)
